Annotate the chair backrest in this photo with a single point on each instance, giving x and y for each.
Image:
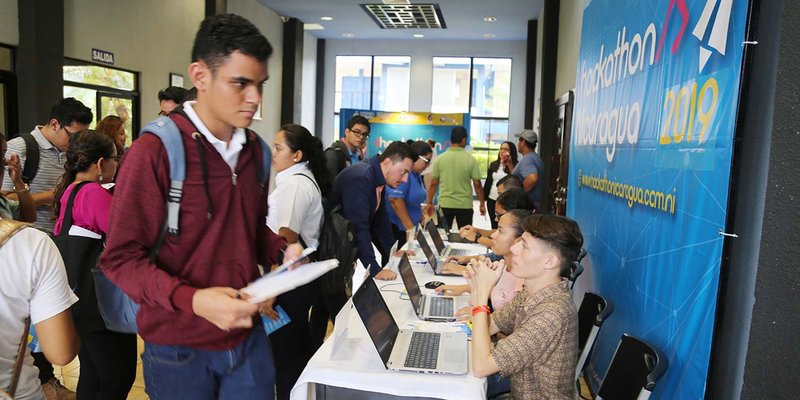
(634, 370)
(581, 255)
(593, 312)
(574, 272)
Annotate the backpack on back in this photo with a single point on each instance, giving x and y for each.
(336, 240)
(31, 157)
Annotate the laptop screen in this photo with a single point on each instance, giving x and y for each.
(411, 284)
(426, 248)
(437, 239)
(376, 317)
(440, 218)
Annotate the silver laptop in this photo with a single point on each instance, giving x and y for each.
(447, 251)
(437, 265)
(435, 308)
(406, 350)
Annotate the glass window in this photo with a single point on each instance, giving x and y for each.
(491, 90)
(390, 83)
(486, 136)
(353, 82)
(100, 76)
(6, 60)
(451, 82)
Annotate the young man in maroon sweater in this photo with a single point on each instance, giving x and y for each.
(201, 341)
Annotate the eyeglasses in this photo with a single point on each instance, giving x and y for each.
(427, 161)
(362, 135)
(497, 216)
(68, 132)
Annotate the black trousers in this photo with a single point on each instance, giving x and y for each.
(399, 235)
(492, 215)
(291, 344)
(45, 368)
(108, 365)
(463, 216)
(325, 308)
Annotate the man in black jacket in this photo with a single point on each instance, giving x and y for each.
(347, 151)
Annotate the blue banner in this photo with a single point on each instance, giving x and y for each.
(650, 157)
(386, 127)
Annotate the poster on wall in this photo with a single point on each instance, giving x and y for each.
(655, 108)
(386, 127)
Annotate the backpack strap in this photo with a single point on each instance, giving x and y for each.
(312, 181)
(66, 223)
(8, 228)
(31, 157)
(266, 158)
(170, 136)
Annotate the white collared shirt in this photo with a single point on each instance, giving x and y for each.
(296, 204)
(228, 151)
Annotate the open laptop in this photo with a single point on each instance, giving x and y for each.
(447, 251)
(437, 265)
(434, 308)
(452, 237)
(406, 350)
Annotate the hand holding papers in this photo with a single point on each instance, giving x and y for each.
(283, 280)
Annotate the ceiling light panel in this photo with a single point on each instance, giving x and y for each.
(406, 16)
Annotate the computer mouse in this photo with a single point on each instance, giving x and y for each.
(433, 284)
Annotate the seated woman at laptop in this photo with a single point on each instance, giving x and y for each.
(511, 199)
(509, 229)
(541, 322)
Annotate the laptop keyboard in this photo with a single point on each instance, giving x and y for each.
(423, 351)
(459, 252)
(441, 306)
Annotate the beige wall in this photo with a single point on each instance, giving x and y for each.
(569, 40)
(271, 26)
(152, 37)
(9, 22)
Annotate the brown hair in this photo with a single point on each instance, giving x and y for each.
(560, 233)
(84, 149)
(110, 127)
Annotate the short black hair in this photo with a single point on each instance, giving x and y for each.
(420, 148)
(458, 134)
(511, 182)
(191, 94)
(357, 120)
(70, 110)
(398, 151)
(221, 35)
(514, 199)
(174, 93)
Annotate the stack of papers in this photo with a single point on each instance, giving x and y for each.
(271, 285)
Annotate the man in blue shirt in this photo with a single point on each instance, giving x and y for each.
(347, 151)
(530, 167)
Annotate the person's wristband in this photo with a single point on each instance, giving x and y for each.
(478, 236)
(481, 308)
(25, 188)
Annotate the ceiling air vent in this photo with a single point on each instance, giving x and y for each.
(406, 16)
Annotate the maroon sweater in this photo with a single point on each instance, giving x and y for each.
(222, 250)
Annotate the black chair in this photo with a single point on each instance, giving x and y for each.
(634, 370)
(574, 272)
(593, 312)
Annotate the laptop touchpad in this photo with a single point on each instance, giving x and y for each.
(455, 355)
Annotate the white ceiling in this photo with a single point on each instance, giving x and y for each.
(464, 19)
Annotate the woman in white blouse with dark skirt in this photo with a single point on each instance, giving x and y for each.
(295, 213)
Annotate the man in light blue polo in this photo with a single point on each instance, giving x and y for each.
(530, 167)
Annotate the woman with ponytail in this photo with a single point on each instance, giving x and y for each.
(108, 359)
(295, 212)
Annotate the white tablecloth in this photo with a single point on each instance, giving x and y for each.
(356, 364)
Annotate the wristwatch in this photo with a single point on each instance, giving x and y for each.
(478, 236)
(25, 188)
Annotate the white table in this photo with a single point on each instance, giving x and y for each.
(349, 362)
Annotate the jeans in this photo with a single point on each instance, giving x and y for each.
(243, 372)
(497, 384)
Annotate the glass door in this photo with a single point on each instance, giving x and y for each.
(121, 106)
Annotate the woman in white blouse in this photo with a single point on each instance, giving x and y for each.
(296, 213)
